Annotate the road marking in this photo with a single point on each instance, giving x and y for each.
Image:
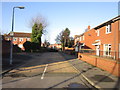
(44, 71)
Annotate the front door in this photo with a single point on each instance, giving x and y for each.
(98, 50)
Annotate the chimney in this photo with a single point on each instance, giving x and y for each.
(89, 27)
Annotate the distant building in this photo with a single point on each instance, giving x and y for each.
(19, 38)
(55, 46)
(104, 39)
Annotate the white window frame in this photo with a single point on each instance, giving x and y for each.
(20, 39)
(106, 46)
(14, 39)
(28, 39)
(108, 29)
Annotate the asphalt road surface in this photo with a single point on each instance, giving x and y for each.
(47, 70)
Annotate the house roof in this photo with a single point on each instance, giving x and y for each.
(20, 34)
(108, 22)
(102, 24)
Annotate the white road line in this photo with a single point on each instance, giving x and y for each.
(44, 71)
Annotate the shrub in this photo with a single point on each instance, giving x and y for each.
(35, 46)
(31, 46)
(16, 48)
(27, 46)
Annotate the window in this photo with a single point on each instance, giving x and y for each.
(28, 39)
(107, 49)
(98, 32)
(108, 28)
(14, 39)
(80, 38)
(6, 39)
(21, 39)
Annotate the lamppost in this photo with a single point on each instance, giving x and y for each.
(12, 34)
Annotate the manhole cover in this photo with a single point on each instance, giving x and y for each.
(76, 85)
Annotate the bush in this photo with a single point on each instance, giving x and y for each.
(52, 50)
(31, 46)
(16, 48)
(27, 46)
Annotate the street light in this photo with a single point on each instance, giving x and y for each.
(12, 34)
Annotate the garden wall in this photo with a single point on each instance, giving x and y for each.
(112, 66)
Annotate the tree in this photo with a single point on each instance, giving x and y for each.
(63, 38)
(38, 28)
(46, 43)
(66, 34)
(71, 42)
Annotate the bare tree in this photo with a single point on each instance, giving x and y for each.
(38, 20)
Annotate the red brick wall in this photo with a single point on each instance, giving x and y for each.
(20, 42)
(111, 66)
(90, 37)
(119, 38)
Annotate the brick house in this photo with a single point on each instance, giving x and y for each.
(104, 39)
(19, 38)
(55, 46)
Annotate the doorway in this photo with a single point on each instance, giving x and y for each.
(97, 50)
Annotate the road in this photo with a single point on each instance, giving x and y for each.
(46, 70)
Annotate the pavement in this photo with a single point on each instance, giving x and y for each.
(96, 77)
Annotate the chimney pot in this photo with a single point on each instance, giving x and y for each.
(89, 27)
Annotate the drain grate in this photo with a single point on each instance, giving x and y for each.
(76, 85)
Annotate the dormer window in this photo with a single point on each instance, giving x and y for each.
(108, 29)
